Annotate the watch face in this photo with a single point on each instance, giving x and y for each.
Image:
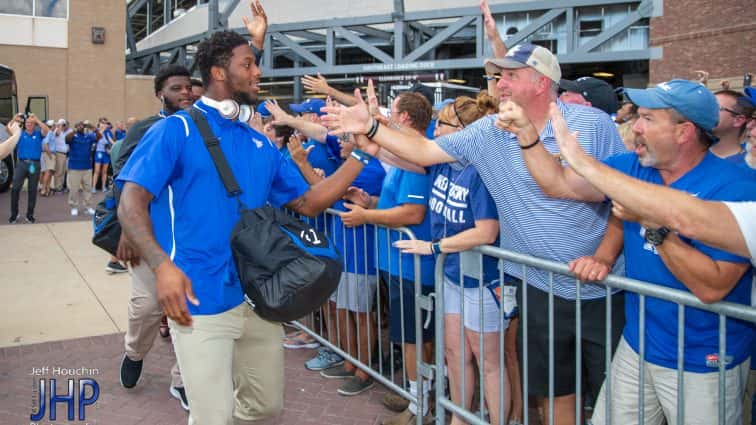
(656, 236)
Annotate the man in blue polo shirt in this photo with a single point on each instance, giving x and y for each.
(28, 166)
(318, 154)
(80, 146)
(403, 202)
(674, 132)
(231, 360)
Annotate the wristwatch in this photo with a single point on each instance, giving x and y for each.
(656, 236)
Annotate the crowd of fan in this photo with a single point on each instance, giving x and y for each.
(528, 165)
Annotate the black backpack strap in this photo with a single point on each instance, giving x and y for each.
(213, 146)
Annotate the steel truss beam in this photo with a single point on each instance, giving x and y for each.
(296, 49)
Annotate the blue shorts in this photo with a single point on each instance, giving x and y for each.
(102, 158)
(402, 311)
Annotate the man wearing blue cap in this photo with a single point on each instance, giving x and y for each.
(319, 155)
(674, 133)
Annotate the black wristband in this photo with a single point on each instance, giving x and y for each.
(526, 147)
(373, 129)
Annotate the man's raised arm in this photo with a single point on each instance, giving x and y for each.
(709, 222)
(357, 120)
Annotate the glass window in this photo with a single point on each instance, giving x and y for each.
(16, 7)
(51, 8)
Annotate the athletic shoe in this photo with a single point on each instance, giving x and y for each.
(354, 385)
(324, 359)
(336, 372)
(395, 402)
(74, 211)
(115, 267)
(30, 219)
(180, 394)
(300, 341)
(130, 372)
(90, 211)
(13, 220)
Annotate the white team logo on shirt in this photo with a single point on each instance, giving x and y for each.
(258, 143)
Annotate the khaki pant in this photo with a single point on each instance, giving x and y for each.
(701, 393)
(79, 179)
(144, 318)
(749, 395)
(233, 366)
(61, 165)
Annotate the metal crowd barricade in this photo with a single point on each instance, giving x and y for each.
(725, 310)
(318, 329)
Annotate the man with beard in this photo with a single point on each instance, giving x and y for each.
(231, 360)
(173, 88)
(674, 133)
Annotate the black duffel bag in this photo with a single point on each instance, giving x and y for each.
(286, 267)
(107, 229)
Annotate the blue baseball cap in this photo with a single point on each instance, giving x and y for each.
(262, 110)
(690, 99)
(751, 94)
(311, 106)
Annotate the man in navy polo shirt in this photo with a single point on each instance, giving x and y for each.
(80, 145)
(231, 360)
(28, 166)
(674, 133)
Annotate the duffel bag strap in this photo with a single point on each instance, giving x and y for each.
(213, 146)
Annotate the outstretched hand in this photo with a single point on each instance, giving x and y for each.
(280, 117)
(258, 25)
(318, 84)
(569, 148)
(14, 127)
(358, 196)
(298, 152)
(489, 24)
(354, 119)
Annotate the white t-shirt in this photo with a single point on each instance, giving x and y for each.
(745, 215)
(60, 141)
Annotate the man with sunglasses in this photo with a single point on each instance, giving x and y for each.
(735, 109)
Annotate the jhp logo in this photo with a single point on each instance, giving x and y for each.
(85, 398)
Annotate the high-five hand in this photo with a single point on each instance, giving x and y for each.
(256, 26)
(354, 119)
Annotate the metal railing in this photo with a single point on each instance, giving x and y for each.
(725, 310)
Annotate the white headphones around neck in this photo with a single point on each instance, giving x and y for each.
(229, 109)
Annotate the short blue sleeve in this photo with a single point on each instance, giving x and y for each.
(464, 145)
(482, 204)
(413, 189)
(155, 157)
(288, 184)
(334, 148)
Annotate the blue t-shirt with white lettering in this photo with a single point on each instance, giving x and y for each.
(202, 214)
(530, 222)
(30, 145)
(80, 151)
(713, 179)
(357, 244)
(404, 187)
(120, 134)
(457, 199)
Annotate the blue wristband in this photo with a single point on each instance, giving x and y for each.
(361, 156)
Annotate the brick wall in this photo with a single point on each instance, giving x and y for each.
(715, 36)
